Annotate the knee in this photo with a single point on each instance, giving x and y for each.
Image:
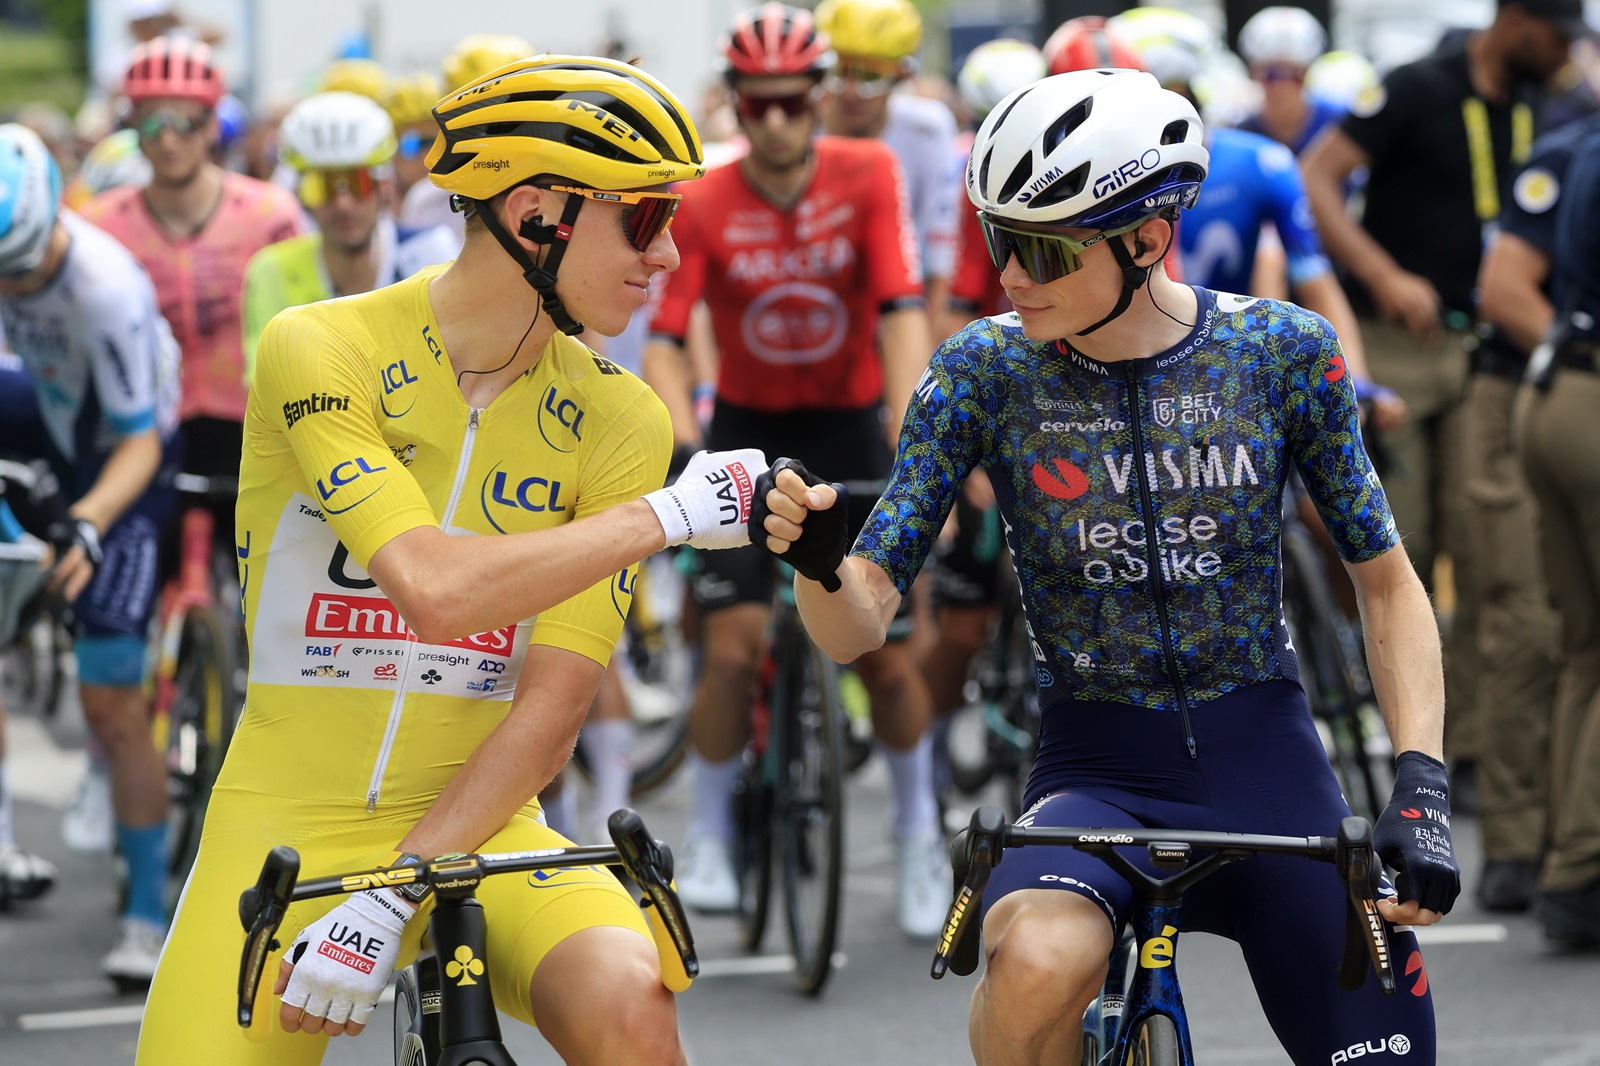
(1044, 968)
(642, 1016)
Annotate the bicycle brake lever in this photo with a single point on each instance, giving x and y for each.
(973, 854)
(649, 863)
(1365, 938)
(261, 910)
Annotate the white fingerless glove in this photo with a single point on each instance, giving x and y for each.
(343, 960)
(709, 505)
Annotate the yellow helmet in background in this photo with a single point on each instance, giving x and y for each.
(596, 122)
(882, 29)
(364, 77)
(478, 54)
(411, 98)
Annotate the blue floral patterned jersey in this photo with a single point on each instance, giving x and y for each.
(1142, 499)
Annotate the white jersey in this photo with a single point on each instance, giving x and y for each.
(920, 131)
(102, 358)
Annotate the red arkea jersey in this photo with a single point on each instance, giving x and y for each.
(795, 294)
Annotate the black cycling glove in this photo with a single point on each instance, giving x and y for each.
(820, 550)
(69, 533)
(1413, 833)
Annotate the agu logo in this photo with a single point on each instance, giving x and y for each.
(560, 418)
(1398, 1044)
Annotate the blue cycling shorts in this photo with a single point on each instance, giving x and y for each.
(1260, 768)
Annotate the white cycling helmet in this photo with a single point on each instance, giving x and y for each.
(336, 131)
(1173, 45)
(1093, 148)
(30, 197)
(996, 69)
(1282, 35)
(1340, 78)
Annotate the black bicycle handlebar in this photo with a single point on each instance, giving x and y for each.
(647, 862)
(979, 847)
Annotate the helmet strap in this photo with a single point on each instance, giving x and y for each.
(542, 278)
(1133, 278)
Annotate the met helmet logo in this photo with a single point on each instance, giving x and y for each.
(1115, 179)
(605, 120)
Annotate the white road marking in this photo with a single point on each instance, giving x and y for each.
(756, 965)
(130, 1014)
(39, 770)
(1480, 933)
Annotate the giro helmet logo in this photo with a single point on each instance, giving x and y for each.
(1134, 168)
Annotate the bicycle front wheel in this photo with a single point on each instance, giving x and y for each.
(1155, 1042)
(200, 726)
(810, 806)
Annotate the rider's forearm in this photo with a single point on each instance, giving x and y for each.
(854, 620)
(666, 369)
(126, 475)
(451, 587)
(1403, 653)
(906, 347)
(1346, 241)
(518, 758)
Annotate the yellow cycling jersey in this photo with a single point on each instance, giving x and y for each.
(356, 432)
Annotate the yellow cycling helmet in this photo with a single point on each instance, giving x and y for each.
(411, 99)
(883, 29)
(594, 123)
(477, 55)
(364, 77)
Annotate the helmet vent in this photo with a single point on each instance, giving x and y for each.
(1063, 127)
(1002, 119)
(983, 171)
(1176, 132)
(1019, 177)
(1063, 188)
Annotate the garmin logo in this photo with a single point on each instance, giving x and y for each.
(1115, 179)
(491, 164)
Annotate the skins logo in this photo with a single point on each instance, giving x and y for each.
(1067, 483)
(1335, 369)
(1414, 966)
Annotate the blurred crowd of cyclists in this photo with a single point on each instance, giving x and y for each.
(1438, 215)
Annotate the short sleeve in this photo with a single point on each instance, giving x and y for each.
(312, 383)
(945, 435)
(1531, 210)
(1324, 438)
(1290, 209)
(631, 462)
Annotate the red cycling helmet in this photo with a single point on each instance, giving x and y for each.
(1086, 44)
(176, 67)
(775, 39)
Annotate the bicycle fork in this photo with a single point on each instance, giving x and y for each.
(1149, 945)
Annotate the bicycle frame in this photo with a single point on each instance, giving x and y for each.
(468, 1029)
(1155, 919)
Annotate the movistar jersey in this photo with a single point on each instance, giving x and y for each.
(1141, 498)
(356, 432)
(1252, 180)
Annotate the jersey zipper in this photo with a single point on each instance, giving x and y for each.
(1152, 553)
(375, 786)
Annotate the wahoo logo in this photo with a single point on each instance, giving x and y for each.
(1066, 483)
(1118, 177)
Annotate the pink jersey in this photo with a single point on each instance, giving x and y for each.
(199, 279)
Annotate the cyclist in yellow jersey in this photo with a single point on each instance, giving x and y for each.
(439, 513)
(342, 146)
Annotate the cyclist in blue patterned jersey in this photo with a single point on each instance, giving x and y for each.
(1139, 434)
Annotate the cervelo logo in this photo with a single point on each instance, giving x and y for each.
(395, 377)
(346, 473)
(1398, 1044)
(559, 418)
(536, 494)
(1118, 177)
(1103, 424)
(1038, 184)
(375, 618)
